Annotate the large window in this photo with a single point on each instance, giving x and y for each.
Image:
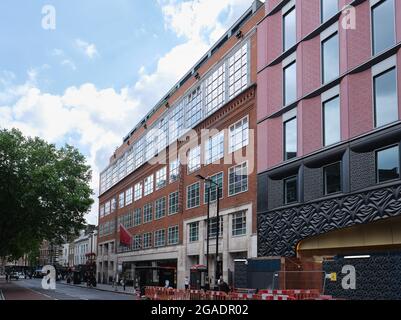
(332, 126)
(215, 90)
(290, 190)
(107, 208)
(193, 195)
(147, 213)
(213, 225)
(239, 135)
(290, 83)
(128, 196)
(218, 178)
(328, 9)
(160, 238)
(385, 99)
(139, 152)
(147, 240)
(137, 242)
(121, 200)
(290, 29)
(194, 108)
(330, 58)
(148, 185)
(137, 217)
(101, 211)
(194, 232)
(238, 179)
(238, 71)
(173, 202)
(173, 235)
(194, 159)
(239, 224)
(174, 170)
(177, 121)
(130, 161)
(332, 178)
(160, 208)
(383, 24)
(161, 178)
(214, 148)
(138, 191)
(388, 164)
(113, 203)
(290, 139)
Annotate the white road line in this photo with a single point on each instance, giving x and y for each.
(2, 296)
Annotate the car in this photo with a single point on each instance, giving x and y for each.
(14, 276)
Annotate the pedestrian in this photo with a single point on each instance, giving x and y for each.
(7, 277)
(167, 284)
(123, 283)
(223, 286)
(186, 282)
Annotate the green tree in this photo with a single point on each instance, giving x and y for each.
(44, 192)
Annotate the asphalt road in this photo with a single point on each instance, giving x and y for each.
(67, 292)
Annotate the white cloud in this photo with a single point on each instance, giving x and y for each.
(89, 49)
(69, 63)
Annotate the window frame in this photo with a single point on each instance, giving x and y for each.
(294, 177)
(325, 192)
(247, 179)
(377, 151)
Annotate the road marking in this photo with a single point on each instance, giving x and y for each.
(2, 296)
(45, 295)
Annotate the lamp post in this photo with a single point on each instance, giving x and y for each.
(216, 271)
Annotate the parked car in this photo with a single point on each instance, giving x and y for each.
(14, 276)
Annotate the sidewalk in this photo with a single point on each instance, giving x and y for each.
(103, 287)
(11, 291)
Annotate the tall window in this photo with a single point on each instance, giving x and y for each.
(218, 178)
(193, 195)
(213, 227)
(174, 170)
(290, 29)
(290, 190)
(147, 240)
(160, 208)
(194, 108)
(290, 139)
(290, 83)
(161, 178)
(238, 179)
(214, 148)
(385, 99)
(215, 90)
(101, 211)
(173, 203)
(113, 204)
(383, 24)
(138, 191)
(388, 164)
(139, 152)
(148, 185)
(330, 58)
(173, 235)
(194, 159)
(332, 178)
(160, 238)
(239, 135)
(137, 217)
(147, 213)
(238, 71)
(332, 126)
(128, 196)
(239, 224)
(121, 200)
(107, 208)
(177, 122)
(194, 232)
(130, 161)
(328, 9)
(137, 242)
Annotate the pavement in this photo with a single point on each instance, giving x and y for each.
(31, 289)
(104, 287)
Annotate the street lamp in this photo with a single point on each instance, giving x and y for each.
(216, 272)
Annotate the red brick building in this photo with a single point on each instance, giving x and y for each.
(151, 185)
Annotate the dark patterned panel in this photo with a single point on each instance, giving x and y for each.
(279, 231)
(377, 278)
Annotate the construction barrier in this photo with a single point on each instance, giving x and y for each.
(158, 293)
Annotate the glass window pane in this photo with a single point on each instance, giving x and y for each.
(290, 29)
(383, 26)
(290, 83)
(388, 164)
(290, 136)
(332, 178)
(386, 109)
(290, 190)
(330, 58)
(329, 9)
(332, 126)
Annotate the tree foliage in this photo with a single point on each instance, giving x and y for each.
(44, 192)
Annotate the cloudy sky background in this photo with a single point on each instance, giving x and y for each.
(107, 63)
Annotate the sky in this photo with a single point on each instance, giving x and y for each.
(85, 72)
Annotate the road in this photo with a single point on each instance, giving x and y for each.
(32, 290)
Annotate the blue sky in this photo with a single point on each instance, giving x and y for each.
(89, 81)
